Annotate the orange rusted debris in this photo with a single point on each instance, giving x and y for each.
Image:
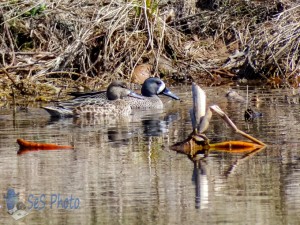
(41, 146)
(235, 146)
(191, 147)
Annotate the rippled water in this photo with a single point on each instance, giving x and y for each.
(123, 171)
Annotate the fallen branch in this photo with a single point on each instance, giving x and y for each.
(223, 115)
(198, 142)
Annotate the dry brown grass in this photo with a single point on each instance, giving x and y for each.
(274, 48)
(48, 49)
(269, 30)
(72, 43)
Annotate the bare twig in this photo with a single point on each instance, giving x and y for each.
(223, 115)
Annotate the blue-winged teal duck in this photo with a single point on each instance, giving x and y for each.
(111, 102)
(117, 100)
(151, 88)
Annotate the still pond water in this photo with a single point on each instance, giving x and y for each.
(123, 171)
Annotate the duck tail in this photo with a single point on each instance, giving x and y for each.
(58, 111)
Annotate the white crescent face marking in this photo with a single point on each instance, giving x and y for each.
(161, 87)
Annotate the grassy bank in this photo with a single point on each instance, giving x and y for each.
(50, 47)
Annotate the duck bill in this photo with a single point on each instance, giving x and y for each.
(135, 95)
(167, 92)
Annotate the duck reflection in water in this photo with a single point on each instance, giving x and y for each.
(121, 130)
(119, 137)
(153, 125)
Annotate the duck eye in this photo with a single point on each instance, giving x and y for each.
(123, 85)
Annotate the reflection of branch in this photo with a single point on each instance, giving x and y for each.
(201, 182)
(223, 115)
(197, 174)
(242, 160)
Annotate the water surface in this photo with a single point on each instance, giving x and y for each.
(122, 171)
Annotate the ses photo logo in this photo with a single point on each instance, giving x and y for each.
(18, 209)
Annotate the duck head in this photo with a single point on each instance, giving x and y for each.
(154, 86)
(119, 90)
